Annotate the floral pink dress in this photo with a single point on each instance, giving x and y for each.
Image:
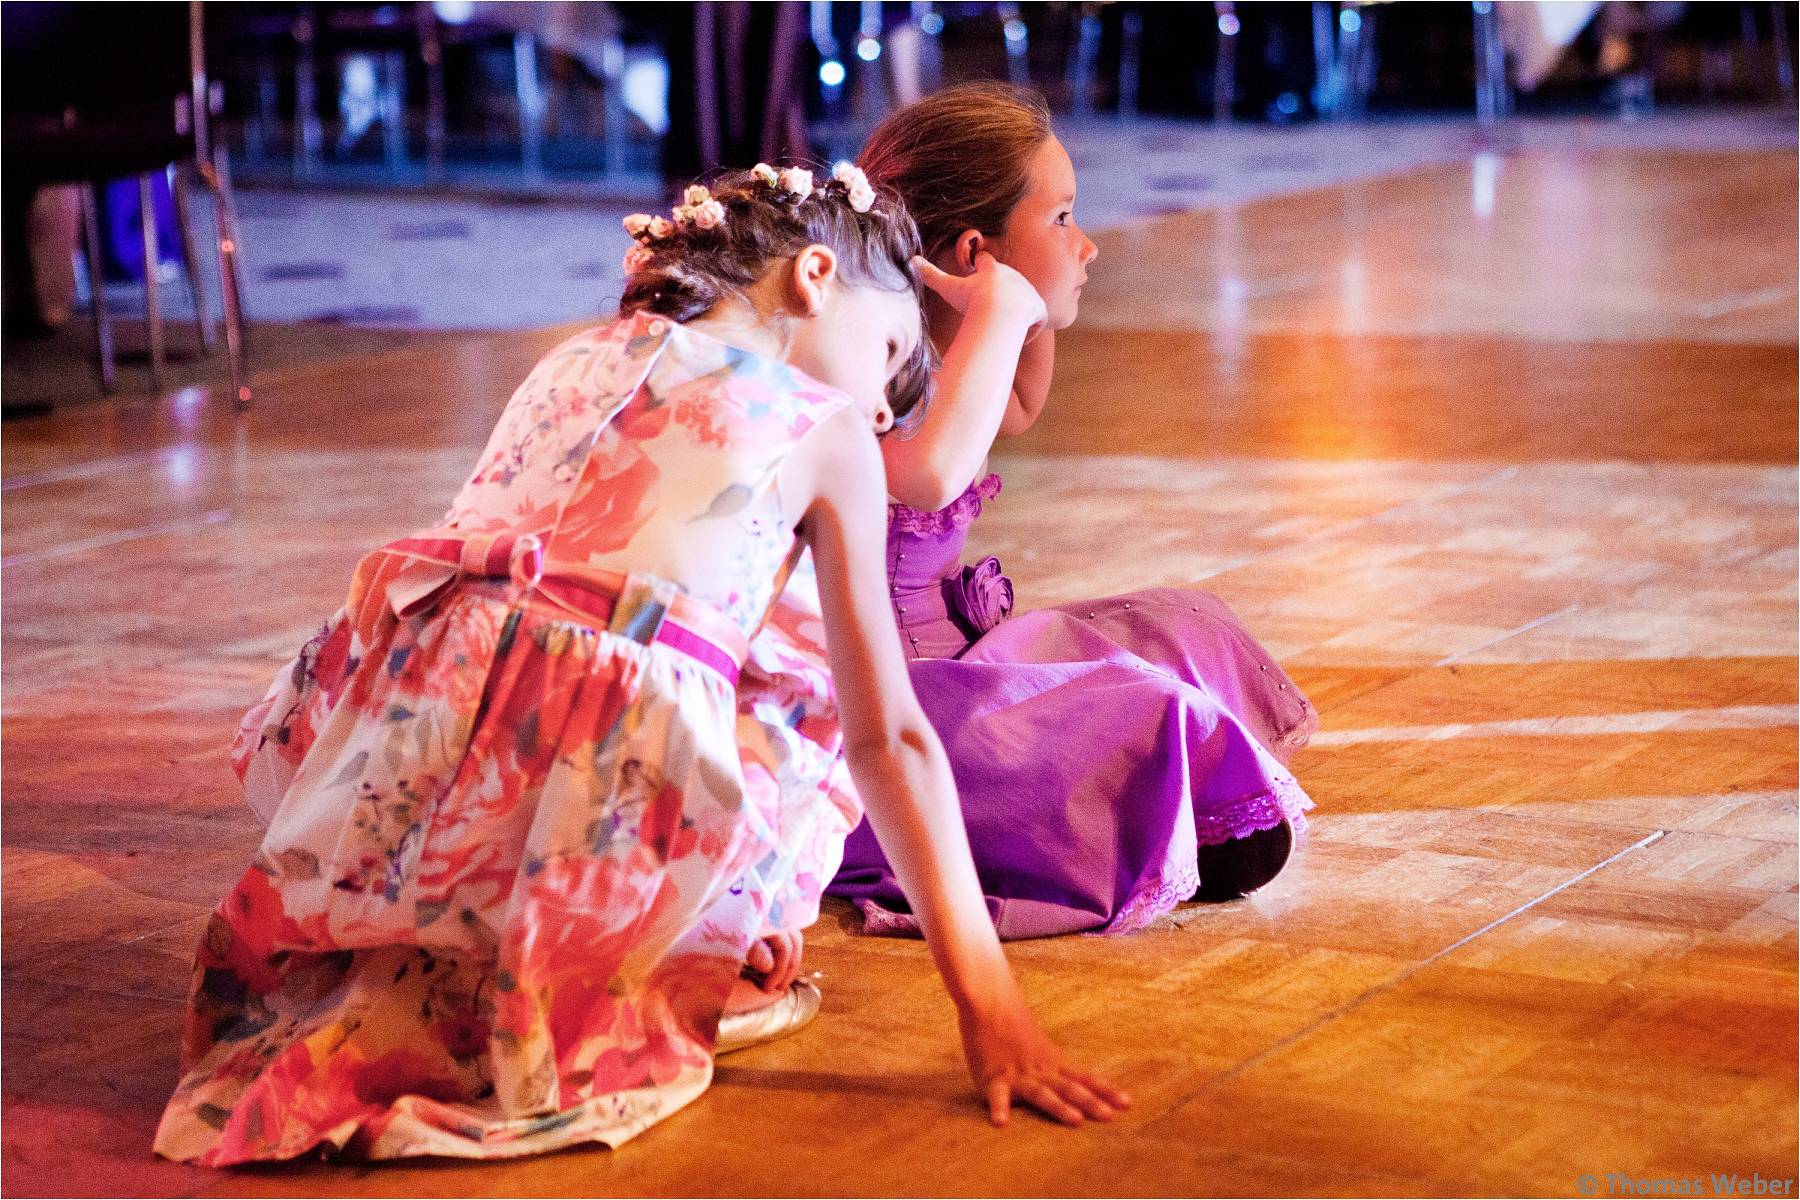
(515, 854)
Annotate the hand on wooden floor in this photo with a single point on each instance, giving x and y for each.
(1012, 1058)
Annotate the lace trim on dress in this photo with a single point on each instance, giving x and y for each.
(885, 922)
(1284, 800)
(959, 512)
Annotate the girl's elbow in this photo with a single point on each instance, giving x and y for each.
(1017, 421)
(889, 750)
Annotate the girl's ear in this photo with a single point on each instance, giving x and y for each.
(815, 274)
(968, 243)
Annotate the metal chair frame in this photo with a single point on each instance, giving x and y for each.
(193, 112)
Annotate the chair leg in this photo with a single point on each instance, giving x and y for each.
(871, 101)
(613, 112)
(831, 66)
(152, 285)
(1490, 64)
(1082, 60)
(391, 98)
(1131, 39)
(309, 134)
(784, 106)
(931, 49)
(263, 115)
(905, 55)
(431, 52)
(212, 174)
(531, 104)
(1325, 88)
(1018, 57)
(1362, 59)
(190, 261)
(1784, 54)
(1225, 61)
(1349, 56)
(90, 235)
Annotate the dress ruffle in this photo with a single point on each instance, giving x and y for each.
(959, 514)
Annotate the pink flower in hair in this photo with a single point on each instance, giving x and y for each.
(797, 180)
(637, 258)
(638, 224)
(661, 227)
(708, 214)
(695, 196)
(856, 186)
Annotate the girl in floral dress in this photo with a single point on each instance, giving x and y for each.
(520, 845)
(1114, 757)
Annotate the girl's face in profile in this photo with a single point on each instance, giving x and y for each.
(1041, 240)
(858, 341)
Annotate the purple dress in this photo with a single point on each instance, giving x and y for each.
(1096, 746)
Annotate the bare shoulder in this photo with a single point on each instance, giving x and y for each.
(838, 463)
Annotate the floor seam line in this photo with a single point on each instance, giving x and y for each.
(96, 991)
(1451, 660)
(1390, 984)
(25, 971)
(89, 468)
(1527, 627)
(66, 549)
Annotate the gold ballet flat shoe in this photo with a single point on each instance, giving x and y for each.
(791, 1012)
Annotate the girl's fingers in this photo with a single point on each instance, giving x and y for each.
(934, 278)
(760, 958)
(1116, 1097)
(1043, 1097)
(999, 1101)
(1090, 1103)
(786, 964)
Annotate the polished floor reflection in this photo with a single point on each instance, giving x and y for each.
(1499, 459)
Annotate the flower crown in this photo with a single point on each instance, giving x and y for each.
(699, 210)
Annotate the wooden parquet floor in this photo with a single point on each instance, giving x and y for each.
(1498, 458)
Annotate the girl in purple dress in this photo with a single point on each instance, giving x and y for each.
(1114, 757)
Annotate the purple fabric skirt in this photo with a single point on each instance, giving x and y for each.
(1095, 746)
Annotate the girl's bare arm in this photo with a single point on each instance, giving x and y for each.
(1031, 384)
(904, 778)
(973, 386)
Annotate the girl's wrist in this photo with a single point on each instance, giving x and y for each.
(993, 997)
(993, 315)
(979, 980)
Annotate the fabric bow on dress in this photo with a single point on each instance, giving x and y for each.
(980, 594)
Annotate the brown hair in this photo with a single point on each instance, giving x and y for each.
(959, 159)
(687, 272)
